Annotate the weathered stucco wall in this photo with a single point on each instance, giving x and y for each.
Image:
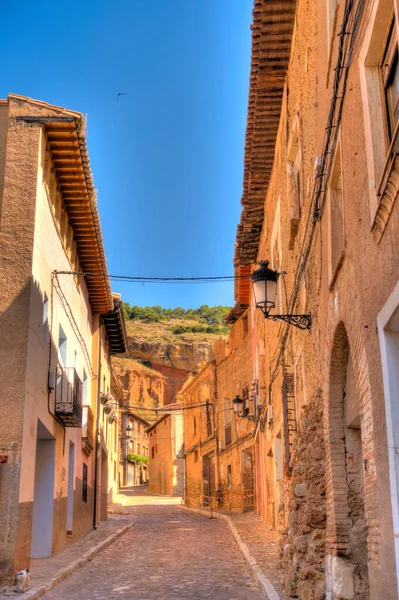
(166, 467)
(33, 246)
(315, 523)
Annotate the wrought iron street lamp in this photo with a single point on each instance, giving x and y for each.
(264, 284)
(239, 409)
(238, 406)
(129, 430)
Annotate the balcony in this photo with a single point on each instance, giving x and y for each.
(87, 429)
(68, 397)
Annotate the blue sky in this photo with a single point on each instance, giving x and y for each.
(167, 158)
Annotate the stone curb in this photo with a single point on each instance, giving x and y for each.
(266, 586)
(40, 590)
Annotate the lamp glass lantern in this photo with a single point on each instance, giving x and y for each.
(264, 285)
(238, 406)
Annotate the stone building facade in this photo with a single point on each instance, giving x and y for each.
(200, 443)
(219, 446)
(319, 203)
(134, 440)
(166, 466)
(58, 330)
(320, 185)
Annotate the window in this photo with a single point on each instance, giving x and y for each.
(390, 81)
(138, 448)
(379, 79)
(332, 6)
(196, 456)
(277, 255)
(208, 412)
(248, 405)
(62, 346)
(45, 319)
(195, 426)
(84, 483)
(138, 427)
(229, 476)
(85, 387)
(294, 183)
(336, 219)
(227, 422)
(152, 452)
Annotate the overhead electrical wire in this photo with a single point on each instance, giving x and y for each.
(139, 279)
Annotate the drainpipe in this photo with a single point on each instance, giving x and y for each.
(97, 445)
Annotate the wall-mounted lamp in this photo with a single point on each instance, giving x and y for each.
(264, 285)
(239, 409)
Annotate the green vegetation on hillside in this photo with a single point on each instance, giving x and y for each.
(210, 315)
(205, 320)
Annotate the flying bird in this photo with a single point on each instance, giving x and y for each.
(121, 94)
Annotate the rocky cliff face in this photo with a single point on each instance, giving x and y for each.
(143, 388)
(172, 356)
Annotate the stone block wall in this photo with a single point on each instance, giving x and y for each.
(303, 541)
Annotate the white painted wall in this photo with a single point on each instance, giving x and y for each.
(388, 329)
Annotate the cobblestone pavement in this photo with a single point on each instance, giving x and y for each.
(43, 569)
(263, 544)
(168, 554)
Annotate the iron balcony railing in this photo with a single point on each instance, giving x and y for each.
(68, 396)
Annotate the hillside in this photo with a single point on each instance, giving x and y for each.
(165, 346)
(143, 387)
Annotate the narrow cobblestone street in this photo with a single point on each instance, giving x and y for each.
(168, 554)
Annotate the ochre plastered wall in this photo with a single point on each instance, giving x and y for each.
(16, 243)
(199, 435)
(166, 469)
(31, 250)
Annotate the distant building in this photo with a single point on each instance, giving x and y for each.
(218, 445)
(200, 449)
(166, 466)
(58, 330)
(134, 454)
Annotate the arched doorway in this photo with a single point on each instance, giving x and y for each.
(346, 525)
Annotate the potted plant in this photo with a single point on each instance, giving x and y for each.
(112, 417)
(107, 409)
(104, 398)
